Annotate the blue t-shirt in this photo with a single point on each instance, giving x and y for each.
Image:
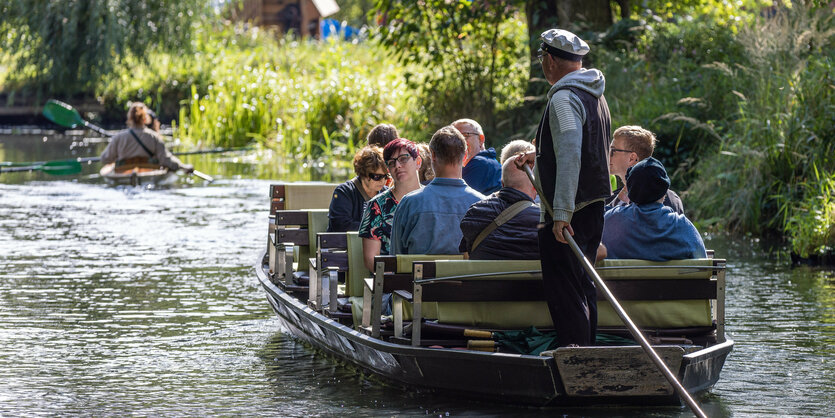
(427, 220)
(650, 232)
(484, 173)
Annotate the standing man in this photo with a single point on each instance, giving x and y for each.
(481, 169)
(572, 168)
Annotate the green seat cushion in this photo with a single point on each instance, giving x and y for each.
(698, 268)
(657, 313)
(404, 261)
(308, 195)
(317, 221)
(454, 268)
(356, 265)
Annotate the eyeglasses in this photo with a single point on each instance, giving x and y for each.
(377, 176)
(402, 159)
(466, 134)
(612, 151)
(541, 55)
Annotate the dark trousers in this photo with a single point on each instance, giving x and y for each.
(569, 291)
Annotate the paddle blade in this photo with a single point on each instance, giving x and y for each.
(203, 176)
(61, 168)
(62, 114)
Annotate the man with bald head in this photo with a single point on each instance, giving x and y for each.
(503, 225)
(481, 169)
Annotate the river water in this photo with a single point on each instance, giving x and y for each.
(128, 301)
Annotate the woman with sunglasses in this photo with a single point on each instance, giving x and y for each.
(403, 162)
(349, 198)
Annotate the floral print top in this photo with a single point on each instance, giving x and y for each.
(377, 219)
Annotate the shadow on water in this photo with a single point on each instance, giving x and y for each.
(117, 301)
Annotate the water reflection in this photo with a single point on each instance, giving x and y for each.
(119, 301)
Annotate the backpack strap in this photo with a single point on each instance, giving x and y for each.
(150, 154)
(500, 220)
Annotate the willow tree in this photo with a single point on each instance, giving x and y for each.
(63, 47)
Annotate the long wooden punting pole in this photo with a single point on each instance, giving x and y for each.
(619, 309)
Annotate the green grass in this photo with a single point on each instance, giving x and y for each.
(301, 99)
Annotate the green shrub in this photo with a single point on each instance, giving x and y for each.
(780, 134)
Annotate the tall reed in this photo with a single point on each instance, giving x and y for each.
(778, 147)
(301, 98)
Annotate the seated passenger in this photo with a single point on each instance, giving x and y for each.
(427, 220)
(349, 198)
(481, 170)
(503, 225)
(514, 148)
(631, 144)
(426, 173)
(646, 229)
(382, 134)
(403, 161)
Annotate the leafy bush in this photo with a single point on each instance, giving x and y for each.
(304, 99)
(65, 46)
(471, 57)
(765, 173)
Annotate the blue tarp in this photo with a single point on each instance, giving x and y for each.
(333, 27)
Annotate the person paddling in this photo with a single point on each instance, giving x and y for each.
(140, 145)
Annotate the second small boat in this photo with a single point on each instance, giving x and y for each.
(138, 175)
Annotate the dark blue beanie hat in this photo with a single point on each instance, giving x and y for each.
(647, 181)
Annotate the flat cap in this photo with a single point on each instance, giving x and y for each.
(647, 181)
(564, 44)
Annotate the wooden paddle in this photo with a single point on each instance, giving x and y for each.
(633, 329)
(65, 115)
(55, 168)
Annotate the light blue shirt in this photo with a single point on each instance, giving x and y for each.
(650, 232)
(427, 220)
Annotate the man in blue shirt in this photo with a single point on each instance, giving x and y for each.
(482, 170)
(427, 220)
(647, 229)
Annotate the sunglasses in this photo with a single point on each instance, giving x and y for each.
(402, 159)
(377, 176)
(612, 151)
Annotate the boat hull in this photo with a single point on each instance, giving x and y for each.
(496, 377)
(138, 175)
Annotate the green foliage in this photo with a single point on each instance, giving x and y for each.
(472, 56)
(765, 175)
(357, 13)
(303, 99)
(65, 46)
(811, 225)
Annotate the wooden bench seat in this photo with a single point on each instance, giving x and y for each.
(292, 243)
(327, 270)
(391, 273)
(507, 294)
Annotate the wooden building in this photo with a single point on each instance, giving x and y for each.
(300, 16)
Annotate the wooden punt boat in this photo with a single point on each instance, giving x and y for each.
(418, 357)
(568, 376)
(138, 175)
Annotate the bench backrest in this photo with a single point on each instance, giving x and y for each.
(671, 294)
(299, 227)
(300, 195)
(675, 294)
